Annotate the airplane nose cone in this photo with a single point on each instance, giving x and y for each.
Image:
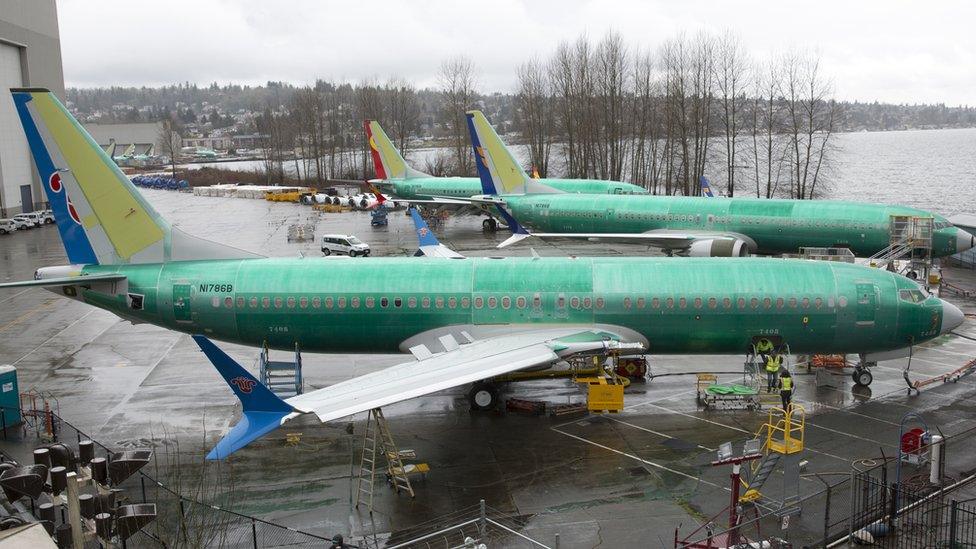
(952, 317)
(964, 241)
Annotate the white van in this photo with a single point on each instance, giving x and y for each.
(7, 226)
(30, 219)
(344, 244)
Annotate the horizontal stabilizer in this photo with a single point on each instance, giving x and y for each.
(263, 410)
(83, 280)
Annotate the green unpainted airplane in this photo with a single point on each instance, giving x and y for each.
(463, 320)
(693, 226)
(397, 177)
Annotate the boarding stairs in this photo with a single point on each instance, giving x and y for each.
(754, 375)
(284, 378)
(911, 239)
(782, 439)
(378, 441)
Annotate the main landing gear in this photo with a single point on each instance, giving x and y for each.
(489, 225)
(483, 396)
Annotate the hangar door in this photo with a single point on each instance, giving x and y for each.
(15, 171)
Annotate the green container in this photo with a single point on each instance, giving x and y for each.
(9, 397)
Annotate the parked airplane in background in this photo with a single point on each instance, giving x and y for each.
(463, 320)
(694, 226)
(398, 178)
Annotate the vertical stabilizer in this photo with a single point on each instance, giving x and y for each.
(101, 216)
(500, 173)
(387, 161)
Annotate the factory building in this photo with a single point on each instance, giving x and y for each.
(144, 135)
(30, 55)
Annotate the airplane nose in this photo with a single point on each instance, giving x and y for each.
(964, 241)
(952, 317)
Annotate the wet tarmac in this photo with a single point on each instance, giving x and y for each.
(623, 480)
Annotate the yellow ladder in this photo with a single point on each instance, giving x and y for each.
(782, 434)
(377, 436)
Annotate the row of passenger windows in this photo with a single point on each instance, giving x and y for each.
(745, 220)
(522, 302)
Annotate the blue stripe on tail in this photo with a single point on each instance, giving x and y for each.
(76, 243)
(263, 410)
(487, 184)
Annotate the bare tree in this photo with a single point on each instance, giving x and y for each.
(403, 111)
(536, 111)
(457, 82)
(731, 78)
(810, 118)
(645, 124)
(169, 139)
(611, 79)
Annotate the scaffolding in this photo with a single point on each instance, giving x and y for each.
(910, 242)
(782, 438)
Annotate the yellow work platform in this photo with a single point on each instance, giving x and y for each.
(602, 395)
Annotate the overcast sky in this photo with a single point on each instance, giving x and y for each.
(892, 50)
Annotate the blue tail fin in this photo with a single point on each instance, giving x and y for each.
(706, 187)
(480, 160)
(424, 235)
(263, 410)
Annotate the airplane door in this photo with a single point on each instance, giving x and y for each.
(867, 304)
(181, 302)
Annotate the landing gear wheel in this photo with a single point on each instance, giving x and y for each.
(489, 225)
(483, 396)
(862, 377)
(326, 251)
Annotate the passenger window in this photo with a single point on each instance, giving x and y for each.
(412, 302)
(727, 302)
(779, 302)
(316, 302)
(640, 302)
(818, 303)
(754, 303)
(698, 302)
(452, 303)
(342, 303)
(792, 303)
(656, 303)
(741, 302)
(492, 302)
(842, 301)
(479, 302)
(682, 303)
(712, 303)
(537, 301)
(278, 302)
(506, 302)
(439, 302)
(254, 303)
(240, 303)
(574, 302)
(303, 303)
(397, 302)
(626, 303)
(384, 302)
(291, 302)
(767, 303)
(587, 302)
(265, 302)
(805, 303)
(465, 302)
(670, 303)
(425, 303)
(599, 303)
(229, 302)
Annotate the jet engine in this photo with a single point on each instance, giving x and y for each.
(718, 247)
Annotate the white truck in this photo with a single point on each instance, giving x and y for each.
(344, 244)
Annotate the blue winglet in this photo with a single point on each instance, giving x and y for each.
(424, 234)
(487, 184)
(263, 410)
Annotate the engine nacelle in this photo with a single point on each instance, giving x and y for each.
(718, 247)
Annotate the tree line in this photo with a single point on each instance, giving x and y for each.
(697, 105)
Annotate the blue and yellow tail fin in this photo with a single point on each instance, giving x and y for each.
(706, 187)
(500, 173)
(101, 216)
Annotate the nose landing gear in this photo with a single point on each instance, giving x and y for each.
(862, 373)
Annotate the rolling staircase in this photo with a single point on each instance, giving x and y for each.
(782, 441)
(911, 239)
(284, 378)
(378, 441)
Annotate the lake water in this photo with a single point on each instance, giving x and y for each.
(929, 169)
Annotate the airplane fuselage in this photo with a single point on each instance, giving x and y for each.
(678, 305)
(776, 226)
(463, 187)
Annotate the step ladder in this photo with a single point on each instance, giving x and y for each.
(782, 439)
(378, 441)
(283, 378)
(911, 239)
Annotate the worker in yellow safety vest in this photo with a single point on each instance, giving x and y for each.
(773, 363)
(786, 388)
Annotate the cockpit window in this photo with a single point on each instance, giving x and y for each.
(942, 225)
(912, 296)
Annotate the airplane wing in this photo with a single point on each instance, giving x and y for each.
(697, 243)
(429, 245)
(82, 280)
(458, 364)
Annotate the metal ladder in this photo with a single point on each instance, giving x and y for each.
(282, 377)
(378, 431)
